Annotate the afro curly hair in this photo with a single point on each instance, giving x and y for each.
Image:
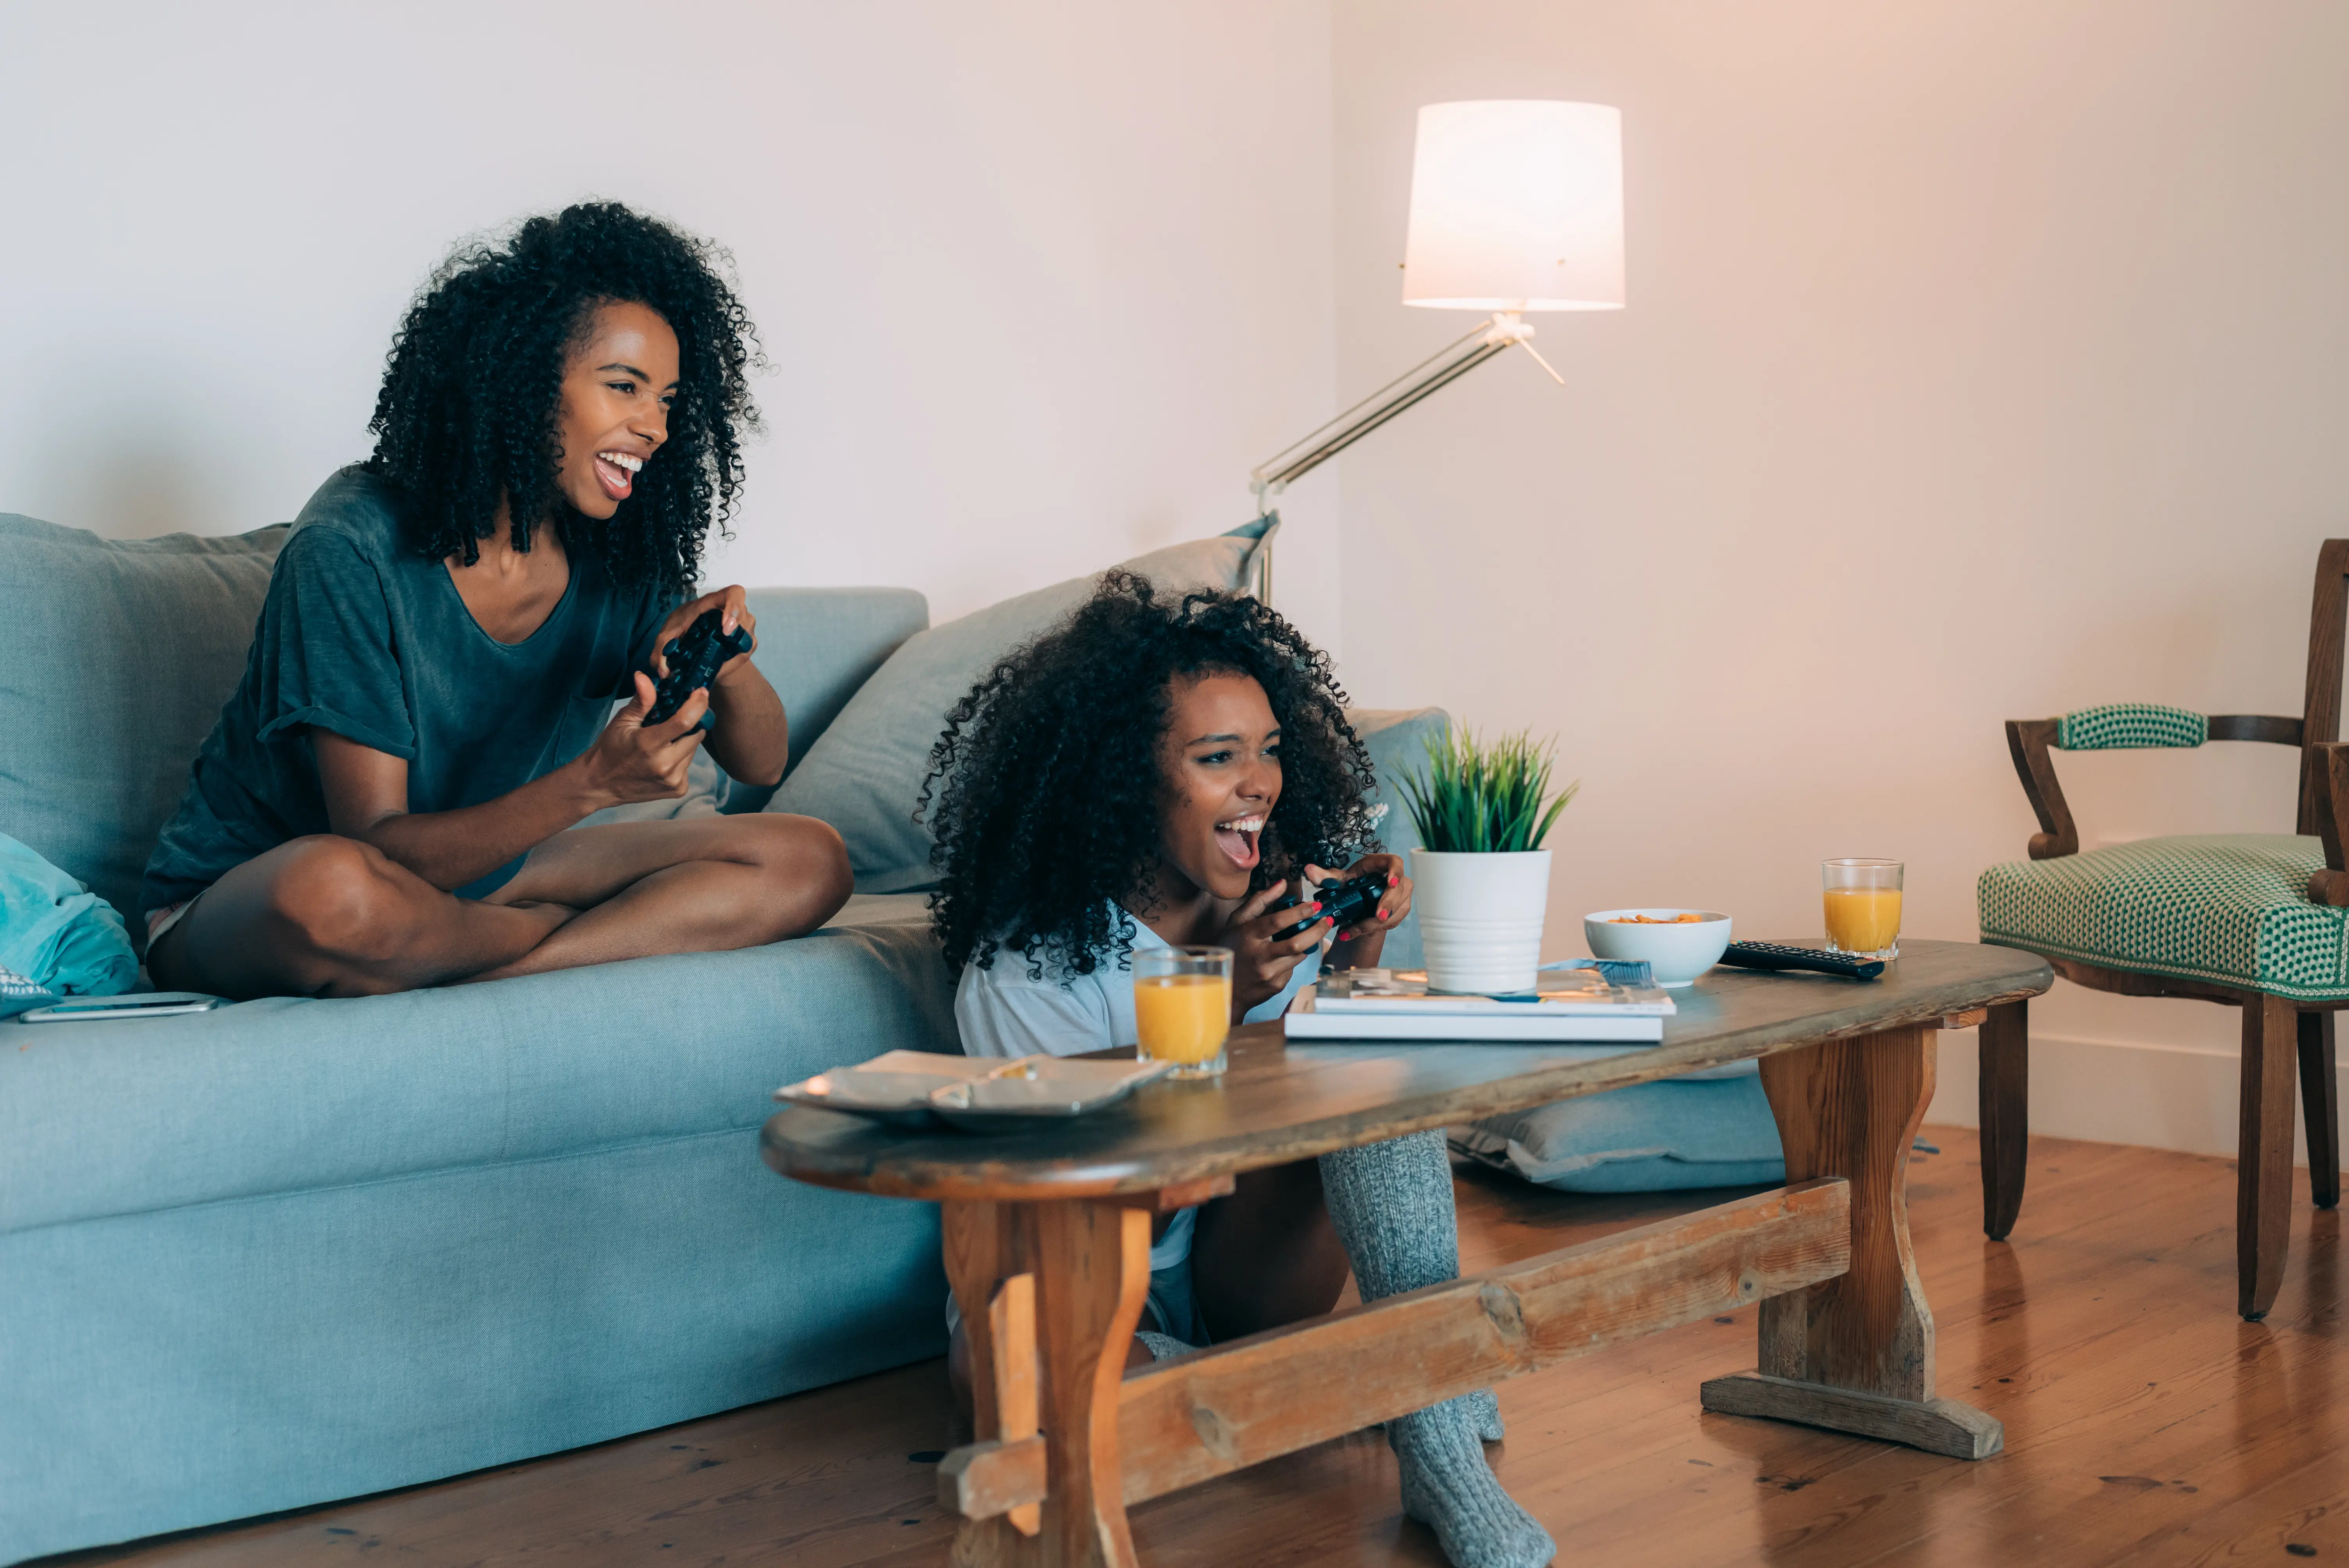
(1048, 781)
(469, 410)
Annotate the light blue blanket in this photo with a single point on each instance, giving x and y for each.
(56, 934)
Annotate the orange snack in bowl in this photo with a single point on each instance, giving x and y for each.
(1689, 918)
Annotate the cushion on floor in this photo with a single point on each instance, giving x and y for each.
(1648, 1137)
(2231, 908)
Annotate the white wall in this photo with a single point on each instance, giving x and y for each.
(1982, 360)
(1042, 279)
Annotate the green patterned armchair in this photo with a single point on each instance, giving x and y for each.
(2254, 921)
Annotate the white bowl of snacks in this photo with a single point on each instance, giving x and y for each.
(1678, 944)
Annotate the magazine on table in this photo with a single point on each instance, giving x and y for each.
(1566, 1004)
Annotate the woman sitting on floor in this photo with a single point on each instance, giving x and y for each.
(1152, 774)
(427, 704)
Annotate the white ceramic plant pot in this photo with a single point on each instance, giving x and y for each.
(1480, 917)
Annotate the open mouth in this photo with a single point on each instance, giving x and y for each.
(617, 473)
(1238, 837)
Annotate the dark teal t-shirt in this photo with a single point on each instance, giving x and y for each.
(363, 636)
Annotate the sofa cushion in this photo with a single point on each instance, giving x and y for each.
(1647, 1137)
(818, 645)
(865, 776)
(1397, 741)
(2227, 907)
(115, 659)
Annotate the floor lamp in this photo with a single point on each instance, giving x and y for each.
(1517, 205)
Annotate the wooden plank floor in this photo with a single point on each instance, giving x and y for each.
(2146, 1424)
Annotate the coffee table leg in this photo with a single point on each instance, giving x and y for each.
(1855, 1354)
(1092, 1267)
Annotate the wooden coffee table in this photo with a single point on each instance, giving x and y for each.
(1046, 1238)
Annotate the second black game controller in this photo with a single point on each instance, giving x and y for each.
(1345, 902)
(694, 660)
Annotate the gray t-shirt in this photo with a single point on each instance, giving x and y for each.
(363, 636)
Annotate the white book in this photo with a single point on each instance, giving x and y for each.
(1525, 1024)
(1560, 992)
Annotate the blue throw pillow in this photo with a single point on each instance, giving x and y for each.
(1650, 1137)
(56, 933)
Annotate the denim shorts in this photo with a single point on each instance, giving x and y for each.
(1172, 1306)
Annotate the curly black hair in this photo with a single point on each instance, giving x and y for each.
(469, 407)
(1047, 781)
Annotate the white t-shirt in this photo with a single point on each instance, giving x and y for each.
(1003, 1012)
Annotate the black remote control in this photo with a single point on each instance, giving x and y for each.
(1343, 901)
(693, 662)
(1771, 955)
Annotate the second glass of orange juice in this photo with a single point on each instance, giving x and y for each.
(1863, 906)
(1183, 1008)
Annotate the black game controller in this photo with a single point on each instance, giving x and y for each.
(1344, 902)
(693, 662)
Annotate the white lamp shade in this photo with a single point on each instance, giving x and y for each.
(1516, 204)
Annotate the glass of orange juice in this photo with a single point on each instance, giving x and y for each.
(1863, 906)
(1183, 1008)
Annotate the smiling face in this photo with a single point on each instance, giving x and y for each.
(616, 391)
(1219, 763)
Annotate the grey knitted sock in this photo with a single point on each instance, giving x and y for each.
(1163, 1346)
(1391, 1203)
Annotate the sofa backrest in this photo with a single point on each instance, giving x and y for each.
(116, 657)
(817, 645)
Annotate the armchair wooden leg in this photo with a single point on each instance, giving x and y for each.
(2319, 1104)
(2004, 1090)
(2263, 1165)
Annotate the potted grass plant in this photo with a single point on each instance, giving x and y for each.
(1481, 875)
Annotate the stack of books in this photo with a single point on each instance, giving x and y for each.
(1580, 1006)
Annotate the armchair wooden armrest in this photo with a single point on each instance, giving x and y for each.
(2330, 764)
(2030, 740)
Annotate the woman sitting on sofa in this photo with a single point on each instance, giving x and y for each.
(1151, 774)
(428, 703)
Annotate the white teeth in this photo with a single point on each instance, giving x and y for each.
(1243, 825)
(623, 460)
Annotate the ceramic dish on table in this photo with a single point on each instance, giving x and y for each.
(916, 1088)
(1052, 1088)
(1678, 950)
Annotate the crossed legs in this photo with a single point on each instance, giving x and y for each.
(327, 916)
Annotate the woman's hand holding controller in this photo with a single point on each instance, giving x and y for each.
(1394, 905)
(633, 761)
(1261, 959)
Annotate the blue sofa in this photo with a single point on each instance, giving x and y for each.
(292, 1251)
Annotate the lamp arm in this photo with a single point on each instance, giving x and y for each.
(1493, 336)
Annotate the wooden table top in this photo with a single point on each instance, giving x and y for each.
(1281, 1102)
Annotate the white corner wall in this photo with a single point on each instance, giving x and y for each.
(1042, 279)
(1982, 361)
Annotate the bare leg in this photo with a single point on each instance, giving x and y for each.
(704, 885)
(323, 916)
(326, 916)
